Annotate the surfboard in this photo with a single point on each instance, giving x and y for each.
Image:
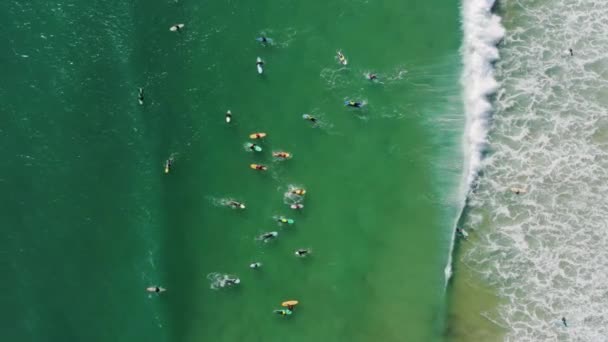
(289, 303)
(260, 70)
(297, 206)
(176, 27)
(257, 135)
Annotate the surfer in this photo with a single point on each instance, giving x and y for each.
(354, 104)
(303, 252)
(283, 219)
(168, 164)
(155, 289)
(259, 62)
(564, 321)
(255, 265)
(228, 116)
(254, 147)
(310, 118)
(140, 96)
(259, 167)
(462, 233)
(341, 58)
(297, 206)
(257, 135)
(518, 191)
(236, 205)
(263, 39)
(228, 281)
(298, 192)
(176, 27)
(571, 51)
(372, 77)
(268, 236)
(281, 154)
(283, 312)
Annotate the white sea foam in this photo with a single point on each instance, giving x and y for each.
(482, 30)
(546, 251)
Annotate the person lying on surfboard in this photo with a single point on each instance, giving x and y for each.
(353, 104)
(228, 116)
(236, 205)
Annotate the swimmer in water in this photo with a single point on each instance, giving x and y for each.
(155, 289)
(354, 104)
(564, 321)
(140, 96)
(372, 77)
(303, 252)
(236, 205)
(571, 52)
(255, 265)
(228, 116)
(268, 236)
(310, 118)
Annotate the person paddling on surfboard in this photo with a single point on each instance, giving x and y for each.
(168, 164)
(259, 167)
(462, 233)
(176, 27)
(155, 289)
(303, 252)
(254, 147)
(341, 58)
(372, 77)
(140, 96)
(309, 118)
(297, 206)
(228, 116)
(284, 220)
(283, 312)
(264, 40)
(257, 135)
(298, 191)
(268, 236)
(236, 205)
(354, 104)
(255, 265)
(281, 155)
(259, 63)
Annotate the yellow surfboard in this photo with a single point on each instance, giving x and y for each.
(290, 303)
(257, 135)
(255, 167)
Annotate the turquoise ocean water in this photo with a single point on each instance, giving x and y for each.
(91, 220)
